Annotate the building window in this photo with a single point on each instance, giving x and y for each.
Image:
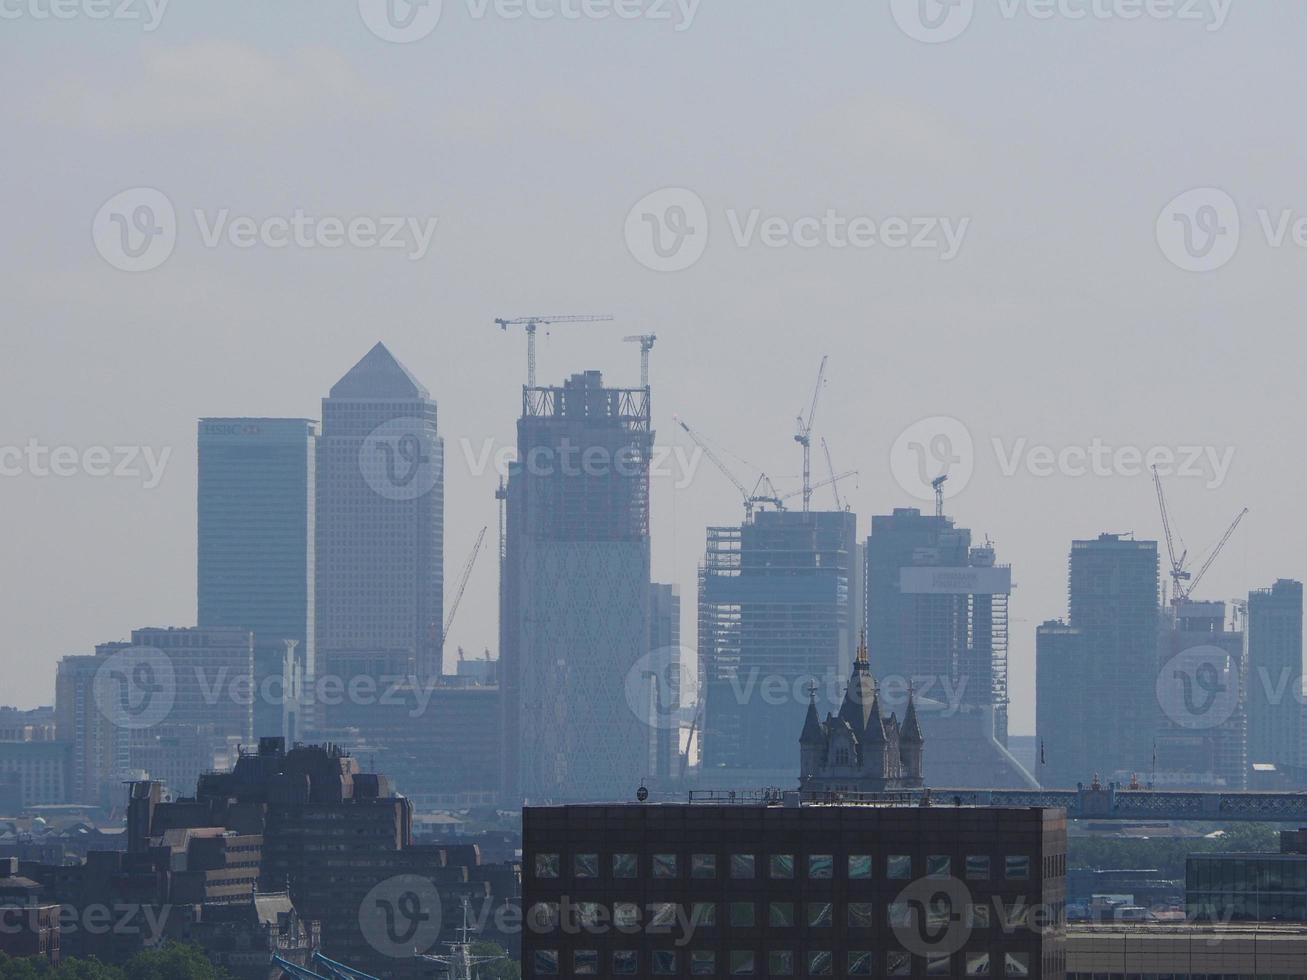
(742, 916)
(977, 867)
(742, 866)
(780, 915)
(899, 867)
(819, 914)
(703, 963)
(703, 866)
(841, 756)
(860, 963)
(703, 914)
(625, 962)
(977, 964)
(1018, 867)
(898, 964)
(780, 963)
(664, 865)
(819, 963)
(585, 865)
(782, 865)
(978, 916)
(662, 915)
(861, 915)
(664, 962)
(938, 866)
(546, 962)
(1016, 964)
(821, 866)
(547, 865)
(742, 963)
(899, 915)
(859, 865)
(544, 916)
(626, 866)
(937, 965)
(588, 913)
(626, 915)
(585, 962)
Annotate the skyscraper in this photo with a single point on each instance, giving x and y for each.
(575, 593)
(380, 518)
(1275, 671)
(1061, 706)
(1113, 663)
(937, 610)
(778, 613)
(255, 507)
(665, 645)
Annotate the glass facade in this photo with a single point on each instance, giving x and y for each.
(1255, 888)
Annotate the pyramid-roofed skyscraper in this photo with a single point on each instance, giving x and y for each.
(380, 528)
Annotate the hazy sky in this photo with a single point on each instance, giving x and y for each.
(1050, 144)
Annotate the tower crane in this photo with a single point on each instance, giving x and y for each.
(804, 436)
(646, 342)
(1184, 582)
(830, 468)
(830, 481)
(462, 583)
(531, 323)
(751, 498)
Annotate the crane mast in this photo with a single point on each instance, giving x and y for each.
(531, 323)
(804, 436)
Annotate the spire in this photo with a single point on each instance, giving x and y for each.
(860, 695)
(911, 730)
(812, 734)
(874, 733)
(379, 376)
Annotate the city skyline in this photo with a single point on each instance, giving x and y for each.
(1001, 337)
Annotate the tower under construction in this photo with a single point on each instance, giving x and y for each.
(576, 592)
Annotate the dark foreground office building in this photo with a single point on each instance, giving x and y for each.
(777, 886)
